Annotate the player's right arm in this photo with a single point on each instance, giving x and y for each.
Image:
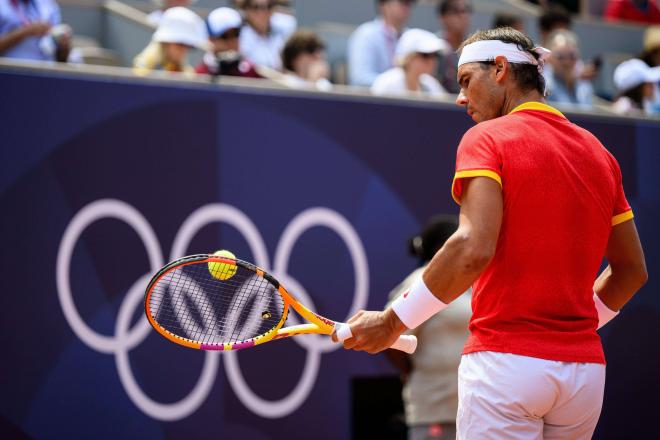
(469, 250)
(626, 272)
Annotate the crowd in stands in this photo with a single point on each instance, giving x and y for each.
(260, 39)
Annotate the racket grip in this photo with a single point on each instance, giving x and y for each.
(405, 343)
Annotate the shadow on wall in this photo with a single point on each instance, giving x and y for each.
(630, 406)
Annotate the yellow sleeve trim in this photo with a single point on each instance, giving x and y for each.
(535, 105)
(623, 217)
(472, 173)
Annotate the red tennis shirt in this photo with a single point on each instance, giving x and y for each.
(562, 194)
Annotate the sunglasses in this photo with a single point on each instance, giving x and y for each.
(230, 34)
(427, 56)
(569, 56)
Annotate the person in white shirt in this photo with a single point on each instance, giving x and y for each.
(264, 33)
(430, 375)
(416, 56)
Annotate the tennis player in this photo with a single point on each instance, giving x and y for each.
(542, 203)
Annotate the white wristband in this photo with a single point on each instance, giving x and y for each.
(417, 305)
(605, 314)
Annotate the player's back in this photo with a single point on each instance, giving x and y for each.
(560, 192)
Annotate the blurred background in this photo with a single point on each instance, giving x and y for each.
(316, 139)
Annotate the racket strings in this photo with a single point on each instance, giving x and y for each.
(189, 302)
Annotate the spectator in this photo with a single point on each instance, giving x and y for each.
(430, 375)
(639, 11)
(634, 81)
(454, 16)
(651, 53)
(57, 43)
(179, 30)
(224, 28)
(304, 61)
(264, 33)
(417, 57)
(651, 56)
(163, 5)
(562, 81)
(505, 19)
(572, 6)
(24, 27)
(552, 19)
(371, 46)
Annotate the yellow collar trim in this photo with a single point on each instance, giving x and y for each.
(535, 105)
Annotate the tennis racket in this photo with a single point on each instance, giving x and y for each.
(211, 302)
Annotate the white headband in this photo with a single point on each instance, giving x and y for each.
(487, 50)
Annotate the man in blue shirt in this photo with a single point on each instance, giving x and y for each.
(371, 46)
(23, 25)
(563, 81)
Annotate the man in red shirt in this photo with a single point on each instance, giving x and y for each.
(542, 203)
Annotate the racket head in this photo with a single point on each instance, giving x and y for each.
(193, 303)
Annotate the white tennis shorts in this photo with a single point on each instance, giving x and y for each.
(507, 396)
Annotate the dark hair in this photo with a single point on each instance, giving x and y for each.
(435, 233)
(505, 19)
(649, 56)
(446, 6)
(553, 17)
(302, 41)
(636, 95)
(527, 75)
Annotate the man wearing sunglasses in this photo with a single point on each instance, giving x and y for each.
(564, 84)
(224, 29)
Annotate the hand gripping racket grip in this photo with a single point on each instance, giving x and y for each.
(405, 343)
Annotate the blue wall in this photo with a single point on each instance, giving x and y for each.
(79, 152)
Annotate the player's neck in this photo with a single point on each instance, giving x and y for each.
(515, 99)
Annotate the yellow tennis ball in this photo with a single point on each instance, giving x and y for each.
(222, 271)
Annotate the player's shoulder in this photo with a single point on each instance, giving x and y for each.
(486, 129)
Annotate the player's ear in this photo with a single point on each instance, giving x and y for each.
(502, 68)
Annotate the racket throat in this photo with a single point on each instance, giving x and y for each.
(302, 329)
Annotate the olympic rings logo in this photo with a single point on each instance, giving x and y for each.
(125, 339)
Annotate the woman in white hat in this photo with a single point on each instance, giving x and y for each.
(635, 81)
(416, 55)
(179, 30)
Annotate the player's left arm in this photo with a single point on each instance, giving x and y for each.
(626, 272)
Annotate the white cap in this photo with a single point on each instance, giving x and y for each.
(221, 20)
(419, 41)
(183, 26)
(634, 72)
